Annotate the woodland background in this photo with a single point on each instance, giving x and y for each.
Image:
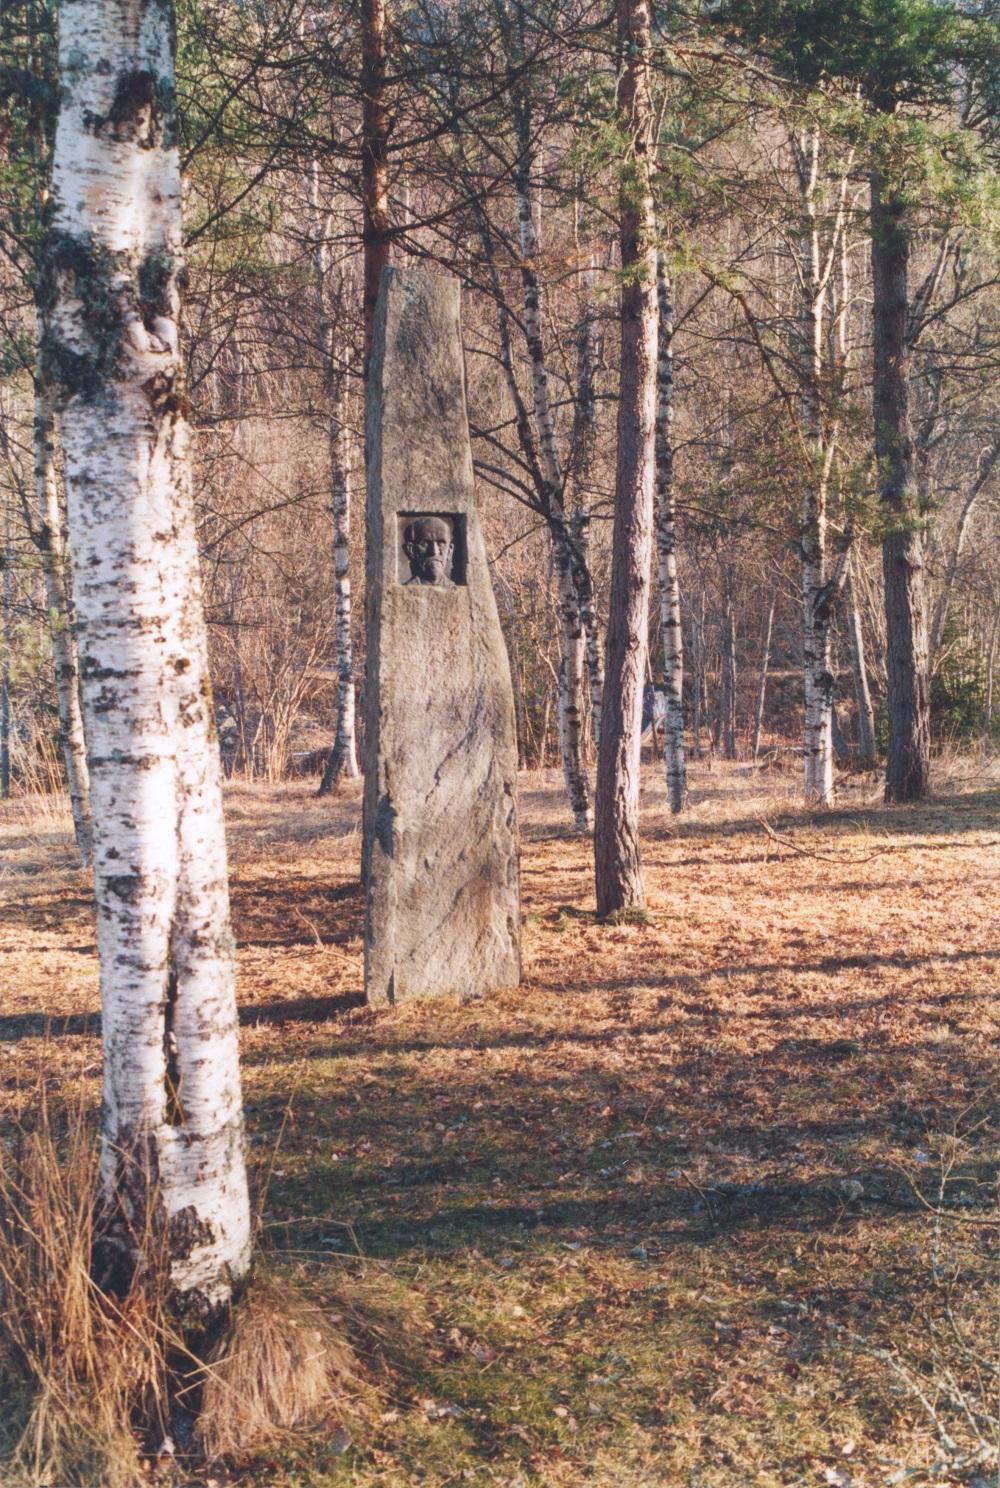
(503, 164)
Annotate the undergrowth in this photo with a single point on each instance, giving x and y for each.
(100, 1389)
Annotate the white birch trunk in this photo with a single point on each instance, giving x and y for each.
(727, 688)
(698, 666)
(818, 679)
(342, 763)
(584, 438)
(862, 692)
(55, 566)
(173, 1175)
(765, 662)
(666, 548)
(573, 640)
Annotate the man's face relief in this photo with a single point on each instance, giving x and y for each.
(429, 546)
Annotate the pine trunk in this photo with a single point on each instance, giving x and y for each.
(173, 1177)
(666, 549)
(908, 766)
(616, 839)
(376, 236)
(55, 567)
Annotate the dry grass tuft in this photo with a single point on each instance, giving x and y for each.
(280, 1365)
(77, 1369)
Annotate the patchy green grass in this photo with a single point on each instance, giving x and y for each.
(660, 1215)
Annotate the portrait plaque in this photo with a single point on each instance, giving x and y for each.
(431, 549)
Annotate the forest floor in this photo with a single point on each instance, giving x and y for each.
(662, 1216)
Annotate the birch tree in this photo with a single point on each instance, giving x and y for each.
(342, 762)
(27, 95)
(666, 547)
(822, 579)
(172, 1167)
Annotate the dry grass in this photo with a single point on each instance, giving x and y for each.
(77, 1369)
(281, 1365)
(656, 1217)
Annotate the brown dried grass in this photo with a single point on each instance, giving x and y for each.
(77, 1368)
(281, 1366)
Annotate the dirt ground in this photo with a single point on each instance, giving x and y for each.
(710, 1200)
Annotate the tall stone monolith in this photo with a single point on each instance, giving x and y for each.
(443, 913)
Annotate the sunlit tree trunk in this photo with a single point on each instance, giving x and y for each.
(816, 593)
(698, 673)
(374, 160)
(616, 839)
(172, 1172)
(573, 639)
(765, 662)
(342, 761)
(666, 548)
(727, 680)
(48, 537)
(584, 440)
(862, 692)
(908, 766)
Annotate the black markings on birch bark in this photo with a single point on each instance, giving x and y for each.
(765, 662)
(574, 586)
(572, 639)
(727, 680)
(172, 1174)
(862, 693)
(47, 536)
(342, 761)
(666, 547)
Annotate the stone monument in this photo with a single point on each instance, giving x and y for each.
(441, 851)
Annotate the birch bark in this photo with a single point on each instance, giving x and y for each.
(618, 868)
(573, 642)
(48, 538)
(727, 681)
(765, 662)
(545, 495)
(584, 438)
(666, 547)
(172, 1169)
(816, 594)
(862, 692)
(342, 762)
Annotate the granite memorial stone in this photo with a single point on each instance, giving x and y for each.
(443, 910)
